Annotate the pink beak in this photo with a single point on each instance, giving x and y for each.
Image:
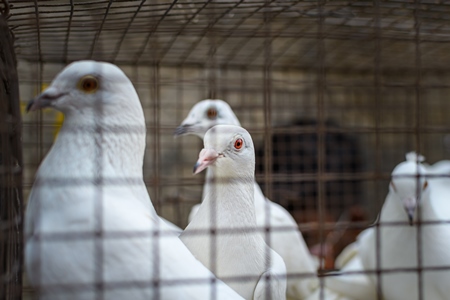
(205, 158)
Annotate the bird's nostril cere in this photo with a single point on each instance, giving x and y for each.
(50, 96)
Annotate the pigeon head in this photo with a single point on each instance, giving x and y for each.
(409, 185)
(206, 114)
(229, 148)
(101, 111)
(89, 87)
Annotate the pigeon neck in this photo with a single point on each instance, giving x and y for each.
(259, 198)
(108, 151)
(229, 201)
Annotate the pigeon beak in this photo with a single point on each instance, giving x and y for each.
(182, 130)
(44, 100)
(206, 158)
(190, 128)
(35, 104)
(409, 204)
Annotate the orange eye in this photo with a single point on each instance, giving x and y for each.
(238, 144)
(212, 113)
(88, 84)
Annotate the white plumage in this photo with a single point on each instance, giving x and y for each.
(235, 252)
(90, 230)
(352, 279)
(284, 237)
(439, 168)
(412, 197)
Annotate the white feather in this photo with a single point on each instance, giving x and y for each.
(441, 168)
(352, 279)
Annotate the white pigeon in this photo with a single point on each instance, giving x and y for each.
(284, 236)
(352, 279)
(412, 196)
(223, 233)
(90, 230)
(440, 168)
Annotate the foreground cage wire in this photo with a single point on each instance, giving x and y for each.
(11, 166)
(334, 94)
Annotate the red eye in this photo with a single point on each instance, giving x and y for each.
(238, 144)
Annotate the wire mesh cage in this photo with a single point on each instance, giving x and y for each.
(334, 93)
(11, 166)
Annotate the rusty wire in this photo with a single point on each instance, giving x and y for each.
(391, 56)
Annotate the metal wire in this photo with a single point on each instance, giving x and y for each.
(11, 167)
(354, 84)
(234, 23)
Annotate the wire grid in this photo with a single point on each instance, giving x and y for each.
(186, 32)
(11, 166)
(359, 82)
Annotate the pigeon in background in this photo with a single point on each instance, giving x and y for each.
(91, 231)
(414, 196)
(284, 236)
(352, 279)
(440, 168)
(235, 252)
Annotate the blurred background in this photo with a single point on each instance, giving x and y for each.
(334, 94)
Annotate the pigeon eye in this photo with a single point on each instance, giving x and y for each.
(425, 185)
(212, 113)
(238, 144)
(88, 84)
